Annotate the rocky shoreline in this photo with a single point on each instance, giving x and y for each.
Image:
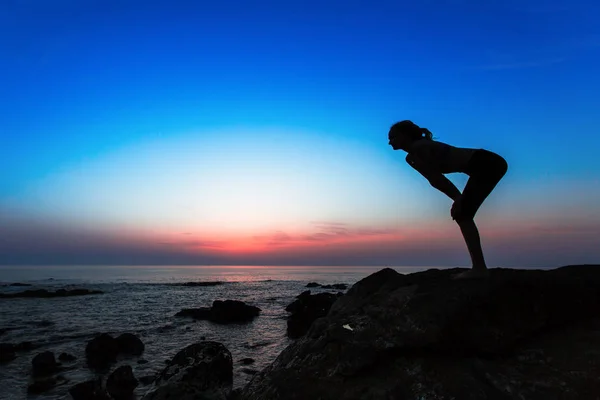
(527, 334)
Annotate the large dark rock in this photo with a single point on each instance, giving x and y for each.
(307, 308)
(101, 351)
(128, 343)
(89, 390)
(7, 352)
(121, 383)
(202, 370)
(223, 312)
(43, 293)
(519, 334)
(44, 364)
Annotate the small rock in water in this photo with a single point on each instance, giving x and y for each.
(129, 343)
(44, 364)
(43, 385)
(247, 360)
(66, 357)
(142, 361)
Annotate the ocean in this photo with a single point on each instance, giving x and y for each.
(143, 300)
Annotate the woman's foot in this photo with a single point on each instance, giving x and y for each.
(475, 273)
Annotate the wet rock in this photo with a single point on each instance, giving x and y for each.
(526, 334)
(121, 383)
(142, 361)
(336, 286)
(44, 364)
(89, 390)
(223, 312)
(306, 309)
(66, 357)
(101, 351)
(43, 293)
(43, 385)
(200, 284)
(7, 352)
(129, 343)
(313, 285)
(249, 371)
(247, 361)
(147, 379)
(18, 284)
(202, 370)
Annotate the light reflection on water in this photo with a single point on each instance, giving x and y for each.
(138, 300)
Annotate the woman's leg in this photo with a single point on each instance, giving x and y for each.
(477, 189)
(473, 242)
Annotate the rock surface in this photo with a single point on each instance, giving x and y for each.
(223, 312)
(203, 370)
(44, 364)
(89, 390)
(307, 308)
(121, 383)
(520, 334)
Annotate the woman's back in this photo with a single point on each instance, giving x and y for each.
(442, 156)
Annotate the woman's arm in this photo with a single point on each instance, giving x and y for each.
(435, 178)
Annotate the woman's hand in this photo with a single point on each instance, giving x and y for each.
(456, 209)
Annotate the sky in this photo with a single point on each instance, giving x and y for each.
(255, 132)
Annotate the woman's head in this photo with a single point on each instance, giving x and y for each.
(403, 133)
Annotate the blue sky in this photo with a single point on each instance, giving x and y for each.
(259, 130)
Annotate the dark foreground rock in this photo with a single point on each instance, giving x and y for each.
(202, 370)
(223, 312)
(121, 383)
(89, 390)
(43, 293)
(306, 309)
(517, 335)
(44, 364)
(103, 350)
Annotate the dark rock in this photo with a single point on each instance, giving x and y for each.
(66, 357)
(249, 371)
(313, 284)
(128, 343)
(121, 383)
(20, 284)
(89, 390)
(142, 361)
(7, 352)
(147, 379)
(202, 370)
(101, 351)
(44, 364)
(44, 323)
(235, 394)
(201, 284)
(43, 385)
(201, 313)
(25, 346)
(223, 312)
(336, 286)
(4, 330)
(43, 293)
(306, 309)
(527, 334)
(247, 361)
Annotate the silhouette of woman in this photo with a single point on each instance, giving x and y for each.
(433, 159)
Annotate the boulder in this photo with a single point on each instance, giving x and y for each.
(66, 357)
(128, 343)
(203, 370)
(8, 352)
(121, 383)
(520, 334)
(101, 351)
(306, 309)
(223, 312)
(44, 364)
(89, 390)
